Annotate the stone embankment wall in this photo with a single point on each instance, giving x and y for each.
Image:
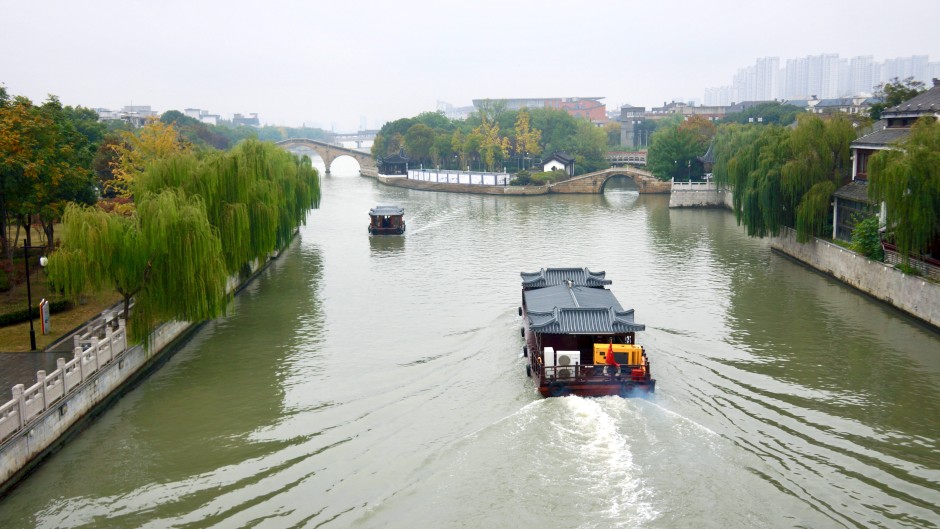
(39, 418)
(592, 183)
(42, 416)
(699, 195)
(401, 181)
(912, 294)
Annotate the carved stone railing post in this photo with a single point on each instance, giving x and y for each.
(94, 350)
(77, 353)
(41, 378)
(18, 397)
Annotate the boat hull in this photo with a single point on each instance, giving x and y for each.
(619, 389)
(594, 385)
(386, 231)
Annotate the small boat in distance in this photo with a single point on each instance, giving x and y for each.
(386, 220)
(578, 339)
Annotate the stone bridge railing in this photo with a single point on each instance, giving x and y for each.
(626, 157)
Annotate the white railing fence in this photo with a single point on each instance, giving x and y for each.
(94, 349)
(693, 186)
(460, 177)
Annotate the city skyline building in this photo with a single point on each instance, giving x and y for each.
(823, 76)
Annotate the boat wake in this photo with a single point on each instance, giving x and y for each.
(443, 219)
(588, 443)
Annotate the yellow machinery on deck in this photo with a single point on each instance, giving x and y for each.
(626, 354)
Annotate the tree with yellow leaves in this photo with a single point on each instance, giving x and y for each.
(493, 148)
(152, 142)
(527, 138)
(44, 163)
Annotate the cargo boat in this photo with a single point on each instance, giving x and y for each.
(578, 338)
(386, 220)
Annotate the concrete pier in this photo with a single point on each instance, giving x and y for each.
(699, 195)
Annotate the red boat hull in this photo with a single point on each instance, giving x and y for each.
(601, 389)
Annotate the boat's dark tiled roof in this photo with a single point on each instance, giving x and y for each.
(547, 277)
(387, 210)
(856, 191)
(561, 309)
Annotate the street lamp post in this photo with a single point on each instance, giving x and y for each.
(29, 292)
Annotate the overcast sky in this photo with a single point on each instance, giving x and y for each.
(339, 63)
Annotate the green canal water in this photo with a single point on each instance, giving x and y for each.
(377, 382)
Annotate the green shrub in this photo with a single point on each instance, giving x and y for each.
(548, 177)
(907, 269)
(866, 239)
(19, 316)
(523, 178)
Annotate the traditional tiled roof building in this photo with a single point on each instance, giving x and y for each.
(851, 201)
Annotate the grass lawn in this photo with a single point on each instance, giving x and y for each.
(15, 338)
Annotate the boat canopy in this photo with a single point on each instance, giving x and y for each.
(569, 309)
(381, 211)
(547, 277)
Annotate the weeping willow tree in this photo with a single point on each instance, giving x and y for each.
(166, 256)
(819, 164)
(255, 195)
(907, 181)
(784, 177)
(198, 220)
(187, 278)
(98, 251)
(748, 159)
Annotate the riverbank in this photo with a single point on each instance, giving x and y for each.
(586, 184)
(482, 189)
(914, 295)
(909, 293)
(103, 367)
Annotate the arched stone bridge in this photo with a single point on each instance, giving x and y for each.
(329, 152)
(594, 182)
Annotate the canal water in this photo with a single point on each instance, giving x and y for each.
(378, 382)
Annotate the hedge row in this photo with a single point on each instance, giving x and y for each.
(19, 316)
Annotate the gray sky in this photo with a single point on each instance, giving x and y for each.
(334, 63)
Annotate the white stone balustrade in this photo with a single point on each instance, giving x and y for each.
(90, 354)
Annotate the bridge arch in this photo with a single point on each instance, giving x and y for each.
(595, 182)
(615, 174)
(329, 152)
